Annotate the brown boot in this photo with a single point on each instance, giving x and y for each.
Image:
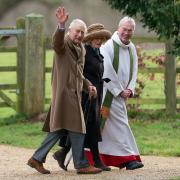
(89, 170)
(38, 166)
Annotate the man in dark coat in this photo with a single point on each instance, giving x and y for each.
(65, 116)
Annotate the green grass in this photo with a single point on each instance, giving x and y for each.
(138, 40)
(6, 112)
(175, 178)
(27, 135)
(7, 59)
(153, 137)
(153, 89)
(157, 137)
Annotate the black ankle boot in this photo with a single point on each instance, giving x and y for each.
(133, 165)
(60, 156)
(99, 164)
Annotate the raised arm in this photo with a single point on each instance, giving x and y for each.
(58, 37)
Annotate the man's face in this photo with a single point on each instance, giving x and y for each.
(125, 32)
(76, 33)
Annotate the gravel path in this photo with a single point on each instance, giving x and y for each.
(13, 166)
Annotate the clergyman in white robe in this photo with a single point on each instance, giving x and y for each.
(118, 144)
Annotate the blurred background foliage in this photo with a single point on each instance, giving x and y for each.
(161, 16)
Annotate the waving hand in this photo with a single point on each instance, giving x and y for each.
(62, 16)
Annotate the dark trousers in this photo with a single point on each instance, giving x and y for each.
(77, 143)
(93, 146)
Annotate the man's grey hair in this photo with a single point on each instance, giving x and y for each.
(127, 19)
(76, 22)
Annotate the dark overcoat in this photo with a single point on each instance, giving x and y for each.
(67, 83)
(93, 71)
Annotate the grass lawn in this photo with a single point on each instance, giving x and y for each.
(158, 137)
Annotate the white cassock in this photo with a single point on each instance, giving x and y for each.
(118, 144)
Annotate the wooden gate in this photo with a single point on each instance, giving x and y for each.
(30, 66)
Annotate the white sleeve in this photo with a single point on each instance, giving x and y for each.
(114, 86)
(132, 83)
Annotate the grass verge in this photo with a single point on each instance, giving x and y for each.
(154, 137)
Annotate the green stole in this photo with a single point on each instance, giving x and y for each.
(109, 96)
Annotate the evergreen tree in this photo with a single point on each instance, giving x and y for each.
(162, 16)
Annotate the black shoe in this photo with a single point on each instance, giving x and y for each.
(100, 165)
(133, 165)
(60, 157)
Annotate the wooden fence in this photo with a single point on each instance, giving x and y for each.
(30, 65)
(30, 87)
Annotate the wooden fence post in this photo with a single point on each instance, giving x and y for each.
(170, 80)
(20, 24)
(34, 65)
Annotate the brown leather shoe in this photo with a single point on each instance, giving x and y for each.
(38, 166)
(89, 170)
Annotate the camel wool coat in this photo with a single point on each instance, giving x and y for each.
(67, 84)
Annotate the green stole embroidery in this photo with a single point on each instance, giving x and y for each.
(109, 97)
